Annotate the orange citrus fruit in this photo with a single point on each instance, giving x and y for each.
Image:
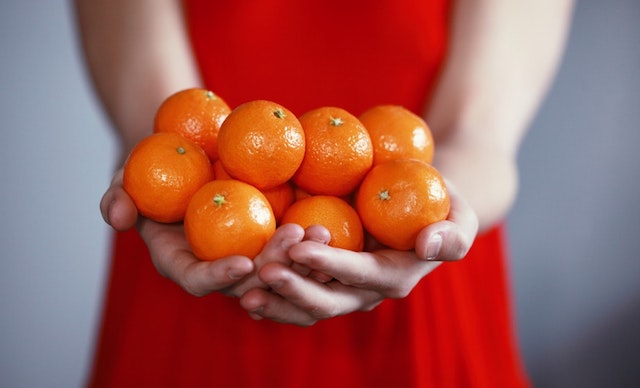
(338, 153)
(228, 217)
(161, 174)
(280, 198)
(398, 133)
(219, 171)
(261, 143)
(299, 193)
(334, 213)
(196, 114)
(399, 198)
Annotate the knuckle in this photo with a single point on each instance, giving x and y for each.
(399, 292)
(461, 248)
(456, 245)
(324, 312)
(370, 307)
(189, 283)
(191, 288)
(308, 323)
(357, 280)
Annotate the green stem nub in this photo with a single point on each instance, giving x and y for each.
(384, 195)
(219, 200)
(181, 150)
(279, 113)
(336, 121)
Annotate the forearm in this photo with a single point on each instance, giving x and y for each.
(487, 180)
(137, 53)
(503, 57)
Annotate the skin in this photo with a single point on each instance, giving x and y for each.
(503, 57)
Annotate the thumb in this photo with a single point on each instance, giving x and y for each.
(117, 207)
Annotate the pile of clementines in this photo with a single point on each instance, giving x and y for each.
(233, 175)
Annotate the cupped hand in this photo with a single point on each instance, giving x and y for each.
(170, 251)
(173, 258)
(360, 280)
(297, 278)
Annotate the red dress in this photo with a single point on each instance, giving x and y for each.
(455, 328)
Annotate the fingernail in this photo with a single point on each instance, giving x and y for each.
(258, 310)
(235, 274)
(107, 214)
(433, 246)
(275, 285)
(255, 315)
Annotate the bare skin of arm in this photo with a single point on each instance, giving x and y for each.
(137, 53)
(503, 58)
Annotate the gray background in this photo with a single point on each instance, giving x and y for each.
(574, 233)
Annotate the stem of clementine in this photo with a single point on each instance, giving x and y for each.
(384, 195)
(279, 113)
(336, 121)
(219, 200)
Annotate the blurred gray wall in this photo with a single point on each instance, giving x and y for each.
(56, 157)
(573, 231)
(575, 236)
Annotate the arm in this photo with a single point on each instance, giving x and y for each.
(503, 56)
(137, 53)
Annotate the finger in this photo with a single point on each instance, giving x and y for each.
(321, 235)
(451, 239)
(313, 274)
(388, 272)
(320, 276)
(201, 278)
(319, 300)
(173, 259)
(302, 300)
(261, 304)
(117, 208)
(276, 250)
(349, 267)
(317, 233)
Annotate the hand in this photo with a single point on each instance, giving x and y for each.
(173, 258)
(170, 250)
(361, 280)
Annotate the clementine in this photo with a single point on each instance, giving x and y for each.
(280, 198)
(228, 217)
(338, 152)
(196, 114)
(334, 213)
(261, 143)
(397, 133)
(161, 174)
(399, 198)
(299, 193)
(219, 171)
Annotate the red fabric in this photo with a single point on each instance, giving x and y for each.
(453, 330)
